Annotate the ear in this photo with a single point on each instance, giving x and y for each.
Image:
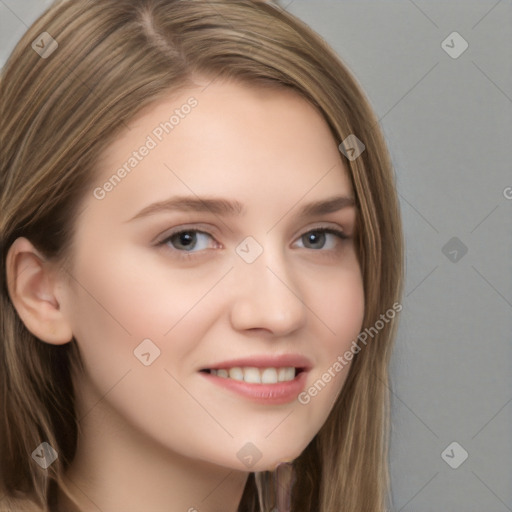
(34, 287)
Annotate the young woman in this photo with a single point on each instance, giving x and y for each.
(201, 265)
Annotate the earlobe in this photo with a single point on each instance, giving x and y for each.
(33, 284)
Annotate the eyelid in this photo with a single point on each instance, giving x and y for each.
(337, 232)
(205, 229)
(329, 228)
(162, 240)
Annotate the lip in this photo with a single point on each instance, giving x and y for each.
(266, 361)
(268, 394)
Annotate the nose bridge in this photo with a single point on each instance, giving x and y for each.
(268, 295)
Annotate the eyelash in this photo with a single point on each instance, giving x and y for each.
(192, 254)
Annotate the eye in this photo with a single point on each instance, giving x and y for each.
(322, 238)
(190, 240)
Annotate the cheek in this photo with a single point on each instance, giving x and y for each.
(137, 337)
(338, 304)
(121, 305)
(339, 307)
(135, 296)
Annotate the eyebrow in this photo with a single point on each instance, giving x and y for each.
(225, 207)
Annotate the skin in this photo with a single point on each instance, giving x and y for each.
(161, 437)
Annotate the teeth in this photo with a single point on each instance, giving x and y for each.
(286, 374)
(236, 373)
(269, 376)
(251, 375)
(257, 375)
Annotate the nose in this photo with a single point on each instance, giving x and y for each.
(266, 296)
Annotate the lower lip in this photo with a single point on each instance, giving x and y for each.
(270, 394)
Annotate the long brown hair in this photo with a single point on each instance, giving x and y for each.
(58, 113)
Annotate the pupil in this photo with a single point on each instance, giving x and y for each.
(186, 239)
(316, 238)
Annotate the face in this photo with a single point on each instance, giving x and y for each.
(226, 244)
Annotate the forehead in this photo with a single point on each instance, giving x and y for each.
(256, 144)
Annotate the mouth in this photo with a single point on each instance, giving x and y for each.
(254, 375)
(269, 379)
(269, 386)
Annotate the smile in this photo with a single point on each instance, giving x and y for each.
(255, 375)
(262, 385)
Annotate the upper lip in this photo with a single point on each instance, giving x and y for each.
(265, 361)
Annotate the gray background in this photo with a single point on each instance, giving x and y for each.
(448, 123)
